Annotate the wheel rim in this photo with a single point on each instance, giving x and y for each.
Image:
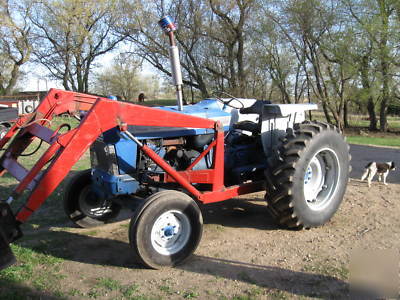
(170, 232)
(91, 205)
(321, 179)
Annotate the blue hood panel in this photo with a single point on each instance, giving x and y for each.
(208, 108)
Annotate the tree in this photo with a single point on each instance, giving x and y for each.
(15, 43)
(341, 54)
(367, 81)
(124, 79)
(120, 79)
(377, 20)
(304, 25)
(276, 61)
(211, 37)
(71, 34)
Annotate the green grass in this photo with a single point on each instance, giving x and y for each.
(129, 291)
(327, 268)
(109, 284)
(190, 294)
(112, 288)
(166, 289)
(41, 271)
(393, 123)
(378, 141)
(359, 120)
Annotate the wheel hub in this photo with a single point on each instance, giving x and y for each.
(170, 232)
(308, 175)
(320, 179)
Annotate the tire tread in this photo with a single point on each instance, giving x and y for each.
(280, 197)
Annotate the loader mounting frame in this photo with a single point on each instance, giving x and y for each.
(65, 149)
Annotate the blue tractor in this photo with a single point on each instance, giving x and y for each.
(162, 160)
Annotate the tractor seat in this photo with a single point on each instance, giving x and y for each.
(256, 108)
(248, 126)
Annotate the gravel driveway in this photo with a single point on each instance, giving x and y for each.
(362, 155)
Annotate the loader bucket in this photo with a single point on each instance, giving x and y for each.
(9, 232)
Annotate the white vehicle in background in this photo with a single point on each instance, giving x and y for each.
(13, 106)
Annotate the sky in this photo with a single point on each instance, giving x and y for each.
(37, 76)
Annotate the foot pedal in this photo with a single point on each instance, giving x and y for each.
(9, 232)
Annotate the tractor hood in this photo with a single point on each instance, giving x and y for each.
(208, 108)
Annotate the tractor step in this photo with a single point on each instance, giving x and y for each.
(9, 232)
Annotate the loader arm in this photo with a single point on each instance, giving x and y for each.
(66, 149)
(103, 114)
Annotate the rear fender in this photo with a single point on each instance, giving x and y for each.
(276, 118)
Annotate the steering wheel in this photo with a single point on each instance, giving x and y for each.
(229, 102)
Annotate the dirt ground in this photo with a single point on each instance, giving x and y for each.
(242, 255)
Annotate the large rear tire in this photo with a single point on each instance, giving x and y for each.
(83, 207)
(307, 180)
(166, 229)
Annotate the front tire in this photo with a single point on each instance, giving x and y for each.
(83, 207)
(166, 229)
(307, 182)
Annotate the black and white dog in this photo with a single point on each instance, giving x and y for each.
(382, 169)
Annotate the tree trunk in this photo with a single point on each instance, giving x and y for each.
(346, 114)
(384, 61)
(385, 97)
(372, 115)
(364, 71)
(337, 118)
(326, 112)
(13, 80)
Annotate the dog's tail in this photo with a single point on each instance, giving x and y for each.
(365, 174)
(369, 165)
(367, 170)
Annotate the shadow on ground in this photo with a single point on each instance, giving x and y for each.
(13, 291)
(79, 248)
(239, 213)
(235, 213)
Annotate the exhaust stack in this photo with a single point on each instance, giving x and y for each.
(169, 27)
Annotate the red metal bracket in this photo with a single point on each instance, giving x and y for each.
(103, 114)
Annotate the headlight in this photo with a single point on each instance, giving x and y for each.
(28, 109)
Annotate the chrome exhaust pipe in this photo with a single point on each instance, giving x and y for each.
(169, 27)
